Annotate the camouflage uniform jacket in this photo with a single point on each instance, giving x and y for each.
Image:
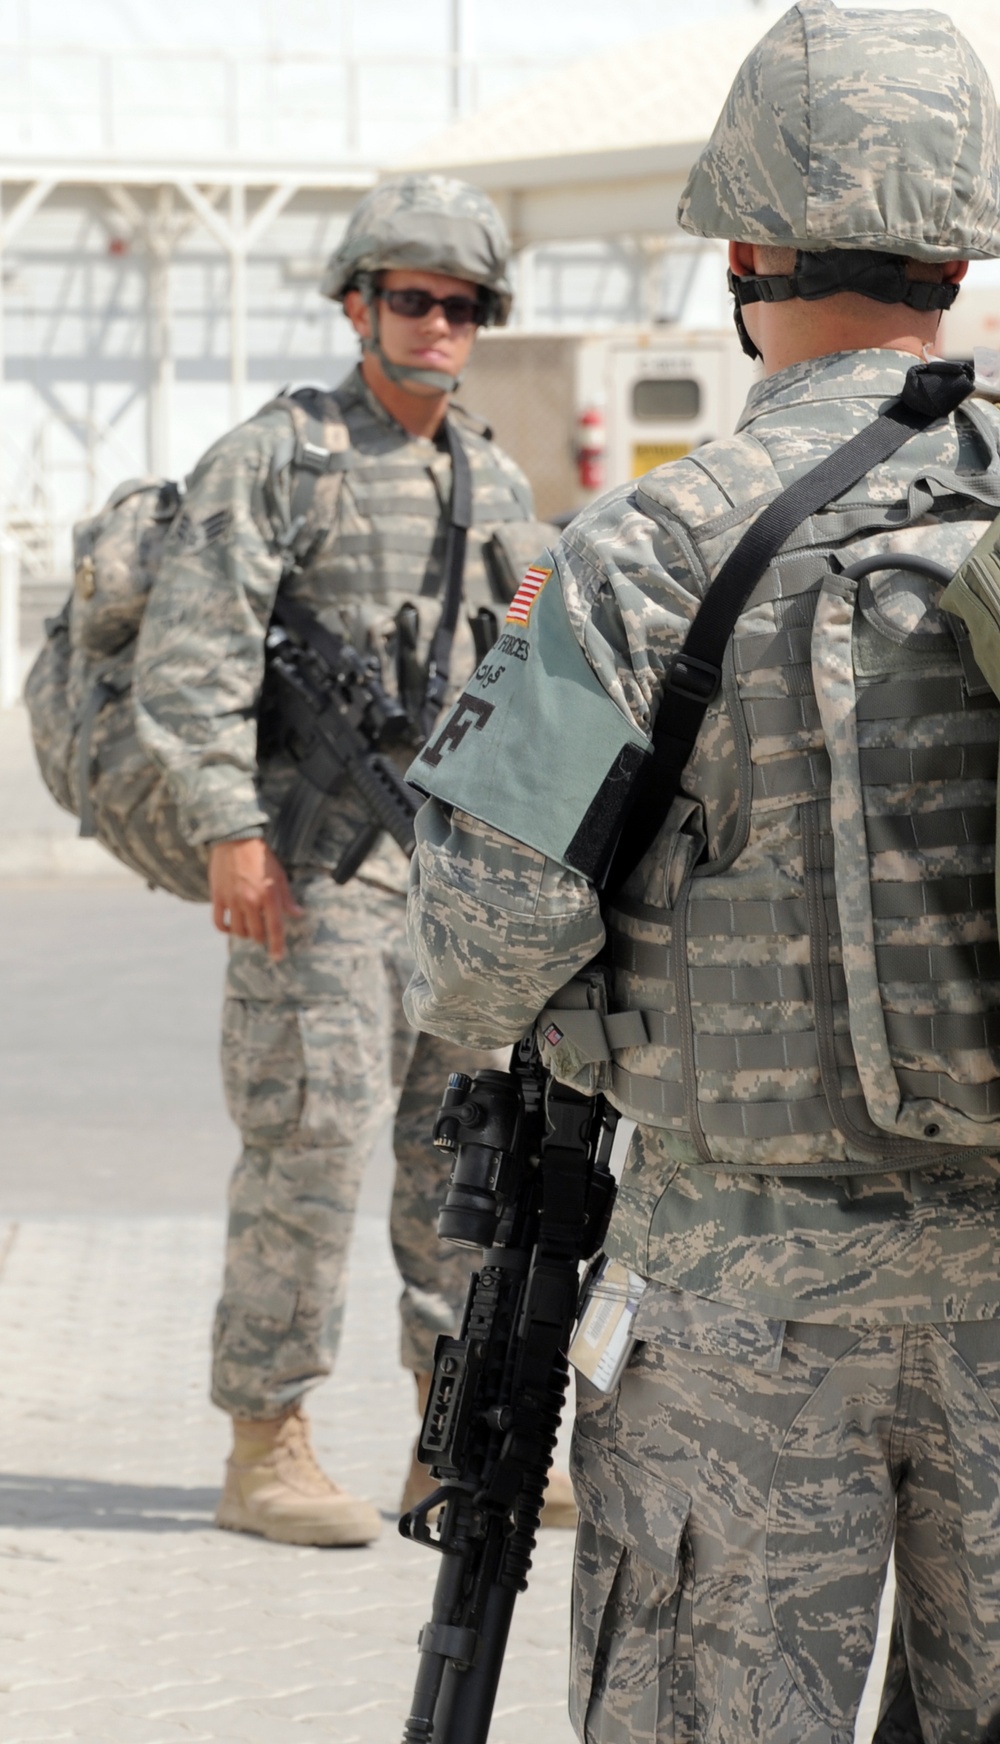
(373, 540)
(498, 926)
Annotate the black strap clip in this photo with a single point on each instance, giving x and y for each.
(693, 679)
(934, 389)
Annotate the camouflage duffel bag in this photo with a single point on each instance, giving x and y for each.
(79, 694)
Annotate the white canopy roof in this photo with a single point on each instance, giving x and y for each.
(603, 147)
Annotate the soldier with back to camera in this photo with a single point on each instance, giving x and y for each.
(754, 904)
(385, 511)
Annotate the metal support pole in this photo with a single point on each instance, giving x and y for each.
(3, 379)
(237, 302)
(237, 237)
(459, 93)
(10, 623)
(161, 384)
(524, 300)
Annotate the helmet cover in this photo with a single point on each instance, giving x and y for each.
(430, 222)
(854, 129)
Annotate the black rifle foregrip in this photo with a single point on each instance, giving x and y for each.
(497, 1391)
(390, 801)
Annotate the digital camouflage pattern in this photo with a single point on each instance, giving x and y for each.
(79, 694)
(430, 222)
(974, 596)
(738, 1491)
(487, 910)
(315, 1050)
(314, 1047)
(855, 129)
(370, 532)
(740, 1496)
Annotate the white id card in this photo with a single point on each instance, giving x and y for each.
(603, 1341)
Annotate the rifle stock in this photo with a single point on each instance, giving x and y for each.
(531, 1185)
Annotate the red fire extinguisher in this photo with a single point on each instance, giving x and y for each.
(591, 449)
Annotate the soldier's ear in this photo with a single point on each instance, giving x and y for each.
(357, 312)
(741, 259)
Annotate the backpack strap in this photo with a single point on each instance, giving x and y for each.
(692, 679)
(99, 694)
(318, 442)
(459, 522)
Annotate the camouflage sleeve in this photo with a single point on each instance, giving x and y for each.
(632, 581)
(498, 926)
(200, 659)
(495, 929)
(518, 480)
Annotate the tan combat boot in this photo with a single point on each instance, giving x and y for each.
(275, 1487)
(559, 1508)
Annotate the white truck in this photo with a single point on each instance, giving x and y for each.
(582, 412)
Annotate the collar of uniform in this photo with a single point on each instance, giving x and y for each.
(844, 375)
(354, 387)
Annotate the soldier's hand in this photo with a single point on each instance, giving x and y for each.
(250, 894)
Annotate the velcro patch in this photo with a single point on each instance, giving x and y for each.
(217, 526)
(519, 610)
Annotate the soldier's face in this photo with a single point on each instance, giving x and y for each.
(428, 341)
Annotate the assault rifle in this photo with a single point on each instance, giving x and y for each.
(325, 705)
(531, 1184)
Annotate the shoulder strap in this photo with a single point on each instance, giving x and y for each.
(459, 522)
(315, 414)
(691, 682)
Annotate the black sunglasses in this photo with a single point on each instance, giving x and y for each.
(414, 305)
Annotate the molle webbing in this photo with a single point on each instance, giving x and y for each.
(751, 1017)
(931, 391)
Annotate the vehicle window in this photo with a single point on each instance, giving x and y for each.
(665, 399)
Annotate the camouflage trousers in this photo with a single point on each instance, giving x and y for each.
(739, 1499)
(314, 1051)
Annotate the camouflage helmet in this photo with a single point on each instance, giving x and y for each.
(434, 223)
(855, 130)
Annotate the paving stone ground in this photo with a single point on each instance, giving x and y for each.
(126, 1618)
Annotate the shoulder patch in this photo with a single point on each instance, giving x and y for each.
(520, 608)
(534, 745)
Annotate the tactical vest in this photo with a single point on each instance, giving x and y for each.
(812, 941)
(363, 512)
(361, 515)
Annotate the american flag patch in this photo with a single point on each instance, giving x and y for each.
(519, 610)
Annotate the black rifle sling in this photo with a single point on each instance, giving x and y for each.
(459, 522)
(292, 615)
(692, 680)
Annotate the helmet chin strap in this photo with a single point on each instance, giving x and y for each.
(400, 373)
(747, 345)
(880, 277)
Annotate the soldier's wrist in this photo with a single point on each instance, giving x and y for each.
(245, 835)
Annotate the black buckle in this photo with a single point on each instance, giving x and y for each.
(693, 679)
(935, 389)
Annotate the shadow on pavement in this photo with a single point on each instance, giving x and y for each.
(78, 1503)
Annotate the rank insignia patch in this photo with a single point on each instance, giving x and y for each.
(519, 610)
